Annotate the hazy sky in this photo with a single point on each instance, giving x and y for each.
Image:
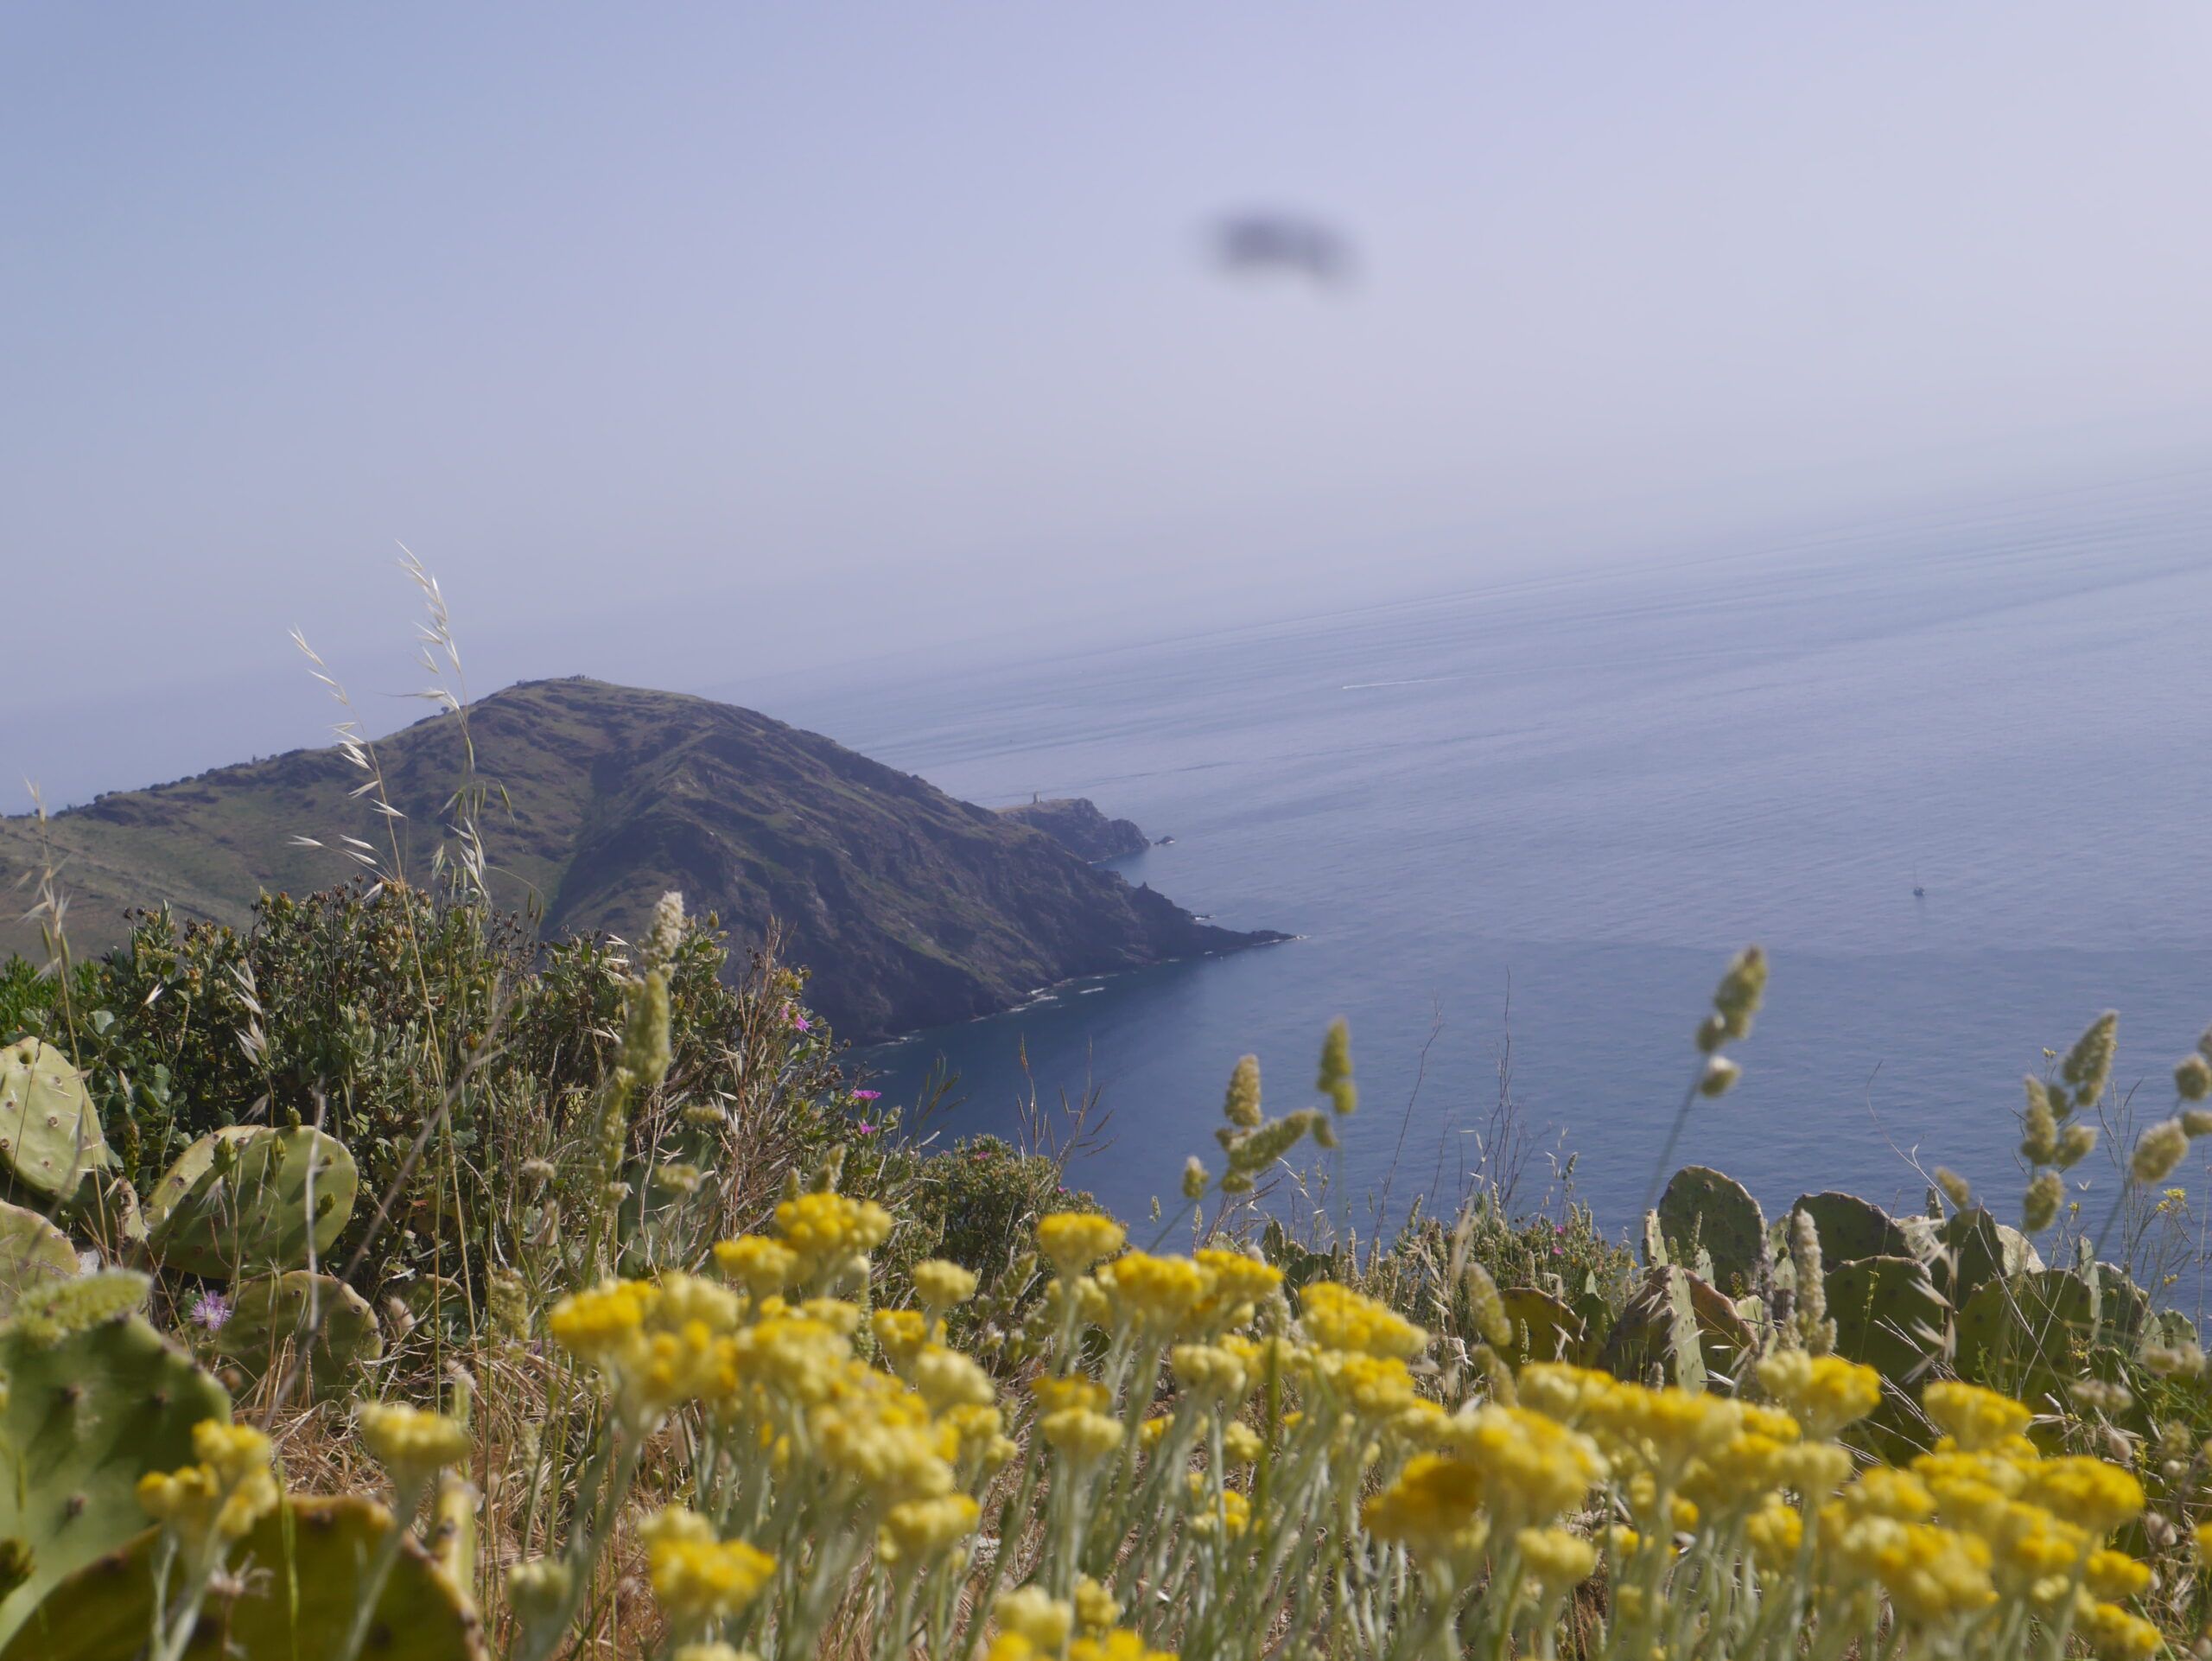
(695, 343)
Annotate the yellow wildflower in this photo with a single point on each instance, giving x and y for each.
(1073, 1240)
(1096, 1611)
(1556, 1561)
(2117, 1635)
(1076, 1390)
(1567, 1393)
(941, 1285)
(1153, 1294)
(2115, 1577)
(1973, 1417)
(221, 1497)
(1240, 1443)
(900, 1333)
(413, 1445)
(918, 1531)
(946, 1378)
(756, 1263)
(2086, 1491)
(1373, 1387)
(1824, 1393)
(1233, 1515)
(879, 1437)
(827, 1230)
(1083, 1436)
(983, 1435)
(1933, 1573)
(1117, 1646)
(1776, 1531)
(1208, 1373)
(1530, 1467)
(696, 1578)
(1434, 1509)
(1036, 1617)
(1337, 1318)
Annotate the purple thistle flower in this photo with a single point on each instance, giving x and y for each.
(866, 1095)
(865, 1128)
(211, 1310)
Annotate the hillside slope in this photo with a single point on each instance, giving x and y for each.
(910, 907)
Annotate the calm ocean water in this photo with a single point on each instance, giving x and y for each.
(1584, 793)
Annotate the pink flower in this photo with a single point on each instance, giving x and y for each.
(865, 1130)
(800, 1020)
(866, 1095)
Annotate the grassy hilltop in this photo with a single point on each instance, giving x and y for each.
(908, 906)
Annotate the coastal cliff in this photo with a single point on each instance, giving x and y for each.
(1076, 825)
(909, 907)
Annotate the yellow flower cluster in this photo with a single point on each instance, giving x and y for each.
(830, 1233)
(1337, 1318)
(1073, 1240)
(413, 1445)
(696, 1578)
(221, 1497)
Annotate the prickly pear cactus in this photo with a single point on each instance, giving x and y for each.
(1973, 1248)
(1719, 1213)
(1888, 1315)
(1544, 1328)
(2030, 1336)
(33, 1252)
(1680, 1326)
(49, 1130)
(1851, 1228)
(313, 1553)
(95, 1399)
(249, 1197)
(104, 1209)
(321, 1325)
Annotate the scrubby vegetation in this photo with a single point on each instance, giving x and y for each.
(378, 1283)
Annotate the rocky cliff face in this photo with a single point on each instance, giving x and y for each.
(1076, 825)
(910, 907)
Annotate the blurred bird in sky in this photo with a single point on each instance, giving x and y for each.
(1264, 242)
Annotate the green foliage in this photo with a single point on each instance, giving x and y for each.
(1702, 1209)
(2031, 1336)
(314, 1556)
(976, 1203)
(246, 1197)
(426, 1033)
(1545, 1328)
(91, 1408)
(33, 1253)
(1851, 1228)
(49, 1133)
(314, 1323)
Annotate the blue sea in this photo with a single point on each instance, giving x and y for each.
(1522, 827)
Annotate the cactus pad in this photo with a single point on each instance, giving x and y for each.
(1679, 1325)
(1851, 1228)
(1973, 1248)
(1889, 1316)
(311, 1556)
(94, 1404)
(239, 1200)
(1719, 1213)
(322, 1323)
(2029, 1336)
(33, 1252)
(1544, 1328)
(49, 1130)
